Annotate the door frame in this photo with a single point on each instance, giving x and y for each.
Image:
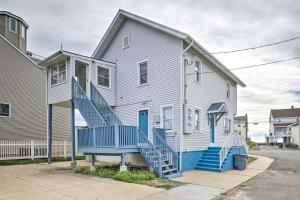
(87, 73)
(138, 118)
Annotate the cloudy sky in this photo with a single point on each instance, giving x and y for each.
(217, 25)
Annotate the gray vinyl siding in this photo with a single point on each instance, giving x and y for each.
(212, 90)
(2, 24)
(23, 85)
(107, 93)
(60, 92)
(163, 53)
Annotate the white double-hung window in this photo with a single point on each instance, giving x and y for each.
(143, 72)
(197, 120)
(227, 125)
(198, 71)
(228, 89)
(58, 73)
(103, 76)
(167, 117)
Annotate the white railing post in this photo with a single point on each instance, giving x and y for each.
(65, 149)
(32, 150)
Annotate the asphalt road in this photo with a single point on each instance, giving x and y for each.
(280, 181)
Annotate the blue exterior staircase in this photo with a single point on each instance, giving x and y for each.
(210, 160)
(106, 134)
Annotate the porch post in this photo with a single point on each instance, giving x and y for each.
(123, 161)
(49, 133)
(73, 133)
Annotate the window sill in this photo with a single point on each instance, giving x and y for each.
(57, 84)
(103, 87)
(143, 85)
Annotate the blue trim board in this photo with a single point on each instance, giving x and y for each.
(190, 159)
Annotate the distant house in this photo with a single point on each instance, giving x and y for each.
(281, 121)
(241, 125)
(23, 95)
(295, 133)
(145, 91)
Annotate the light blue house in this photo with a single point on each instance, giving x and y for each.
(152, 90)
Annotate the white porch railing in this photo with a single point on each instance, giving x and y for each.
(231, 140)
(31, 149)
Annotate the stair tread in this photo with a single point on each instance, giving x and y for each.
(169, 170)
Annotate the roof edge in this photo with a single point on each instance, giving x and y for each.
(3, 12)
(22, 53)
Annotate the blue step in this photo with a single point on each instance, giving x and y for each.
(209, 169)
(204, 157)
(213, 154)
(211, 165)
(208, 161)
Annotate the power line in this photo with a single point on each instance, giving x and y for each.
(257, 47)
(267, 94)
(246, 67)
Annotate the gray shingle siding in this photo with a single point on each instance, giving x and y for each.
(163, 54)
(23, 85)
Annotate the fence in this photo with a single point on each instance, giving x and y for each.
(31, 149)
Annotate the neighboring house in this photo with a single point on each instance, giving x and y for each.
(23, 107)
(280, 124)
(241, 125)
(144, 74)
(295, 133)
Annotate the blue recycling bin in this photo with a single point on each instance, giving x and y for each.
(240, 161)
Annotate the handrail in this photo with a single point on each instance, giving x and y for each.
(164, 142)
(101, 104)
(144, 144)
(231, 140)
(87, 109)
(164, 147)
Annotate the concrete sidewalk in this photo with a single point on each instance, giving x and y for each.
(207, 185)
(57, 182)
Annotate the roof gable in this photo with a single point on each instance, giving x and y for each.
(123, 15)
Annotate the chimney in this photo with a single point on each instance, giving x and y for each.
(292, 107)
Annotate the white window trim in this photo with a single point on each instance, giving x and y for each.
(125, 47)
(162, 117)
(57, 84)
(109, 76)
(137, 118)
(9, 104)
(201, 70)
(23, 30)
(228, 89)
(224, 125)
(9, 22)
(200, 119)
(139, 73)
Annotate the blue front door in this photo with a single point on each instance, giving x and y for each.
(212, 129)
(143, 121)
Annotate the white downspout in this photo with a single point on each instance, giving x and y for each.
(182, 98)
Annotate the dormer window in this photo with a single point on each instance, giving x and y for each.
(125, 41)
(13, 25)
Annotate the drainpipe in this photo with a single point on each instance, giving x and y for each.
(182, 102)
